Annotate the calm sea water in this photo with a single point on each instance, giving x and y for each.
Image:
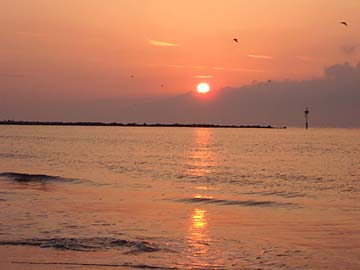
(179, 198)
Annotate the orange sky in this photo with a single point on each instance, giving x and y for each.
(89, 48)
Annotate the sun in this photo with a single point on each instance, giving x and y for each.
(203, 88)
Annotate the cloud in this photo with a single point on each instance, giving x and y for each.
(184, 66)
(238, 69)
(333, 100)
(162, 43)
(178, 66)
(343, 71)
(259, 56)
(219, 68)
(203, 76)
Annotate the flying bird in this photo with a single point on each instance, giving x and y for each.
(344, 23)
(236, 40)
(132, 76)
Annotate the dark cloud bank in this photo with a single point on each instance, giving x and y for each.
(334, 101)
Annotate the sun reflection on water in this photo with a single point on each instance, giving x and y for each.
(198, 238)
(199, 219)
(202, 253)
(202, 155)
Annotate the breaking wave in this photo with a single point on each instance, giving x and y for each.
(87, 244)
(72, 264)
(234, 202)
(40, 178)
(283, 194)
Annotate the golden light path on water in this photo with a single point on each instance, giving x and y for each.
(202, 157)
(202, 160)
(198, 238)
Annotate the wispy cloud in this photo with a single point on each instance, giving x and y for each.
(183, 66)
(260, 56)
(216, 68)
(238, 69)
(177, 66)
(203, 76)
(160, 43)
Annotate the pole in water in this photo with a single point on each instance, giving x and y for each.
(306, 117)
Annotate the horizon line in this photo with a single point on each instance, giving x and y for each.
(130, 124)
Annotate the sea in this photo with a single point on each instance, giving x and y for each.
(179, 198)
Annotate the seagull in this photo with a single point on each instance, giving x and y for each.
(344, 23)
(236, 40)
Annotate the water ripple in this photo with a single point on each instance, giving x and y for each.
(86, 244)
(234, 202)
(35, 178)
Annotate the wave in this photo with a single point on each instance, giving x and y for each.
(234, 202)
(86, 244)
(127, 265)
(283, 194)
(249, 179)
(28, 178)
(15, 156)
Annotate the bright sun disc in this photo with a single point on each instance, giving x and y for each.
(203, 88)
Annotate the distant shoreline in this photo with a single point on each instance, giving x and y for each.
(115, 124)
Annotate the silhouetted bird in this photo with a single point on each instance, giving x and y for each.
(344, 23)
(162, 85)
(269, 81)
(132, 76)
(236, 40)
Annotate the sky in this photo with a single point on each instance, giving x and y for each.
(80, 55)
